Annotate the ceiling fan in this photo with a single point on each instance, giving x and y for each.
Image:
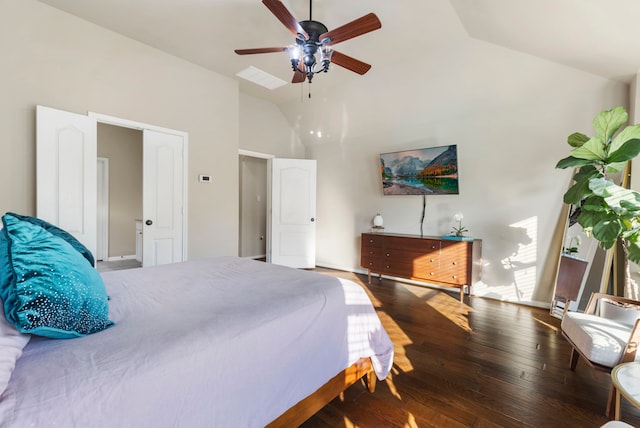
(312, 52)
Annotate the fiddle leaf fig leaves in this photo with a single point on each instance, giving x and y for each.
(592, 150)
(571, 162)
(577, 139)
(627, 134)
(627, 151)
(580, 190)
(607, 122)
(634, 250)
(607, 231)
(608, 211)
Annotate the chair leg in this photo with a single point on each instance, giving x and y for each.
(611, 403)
(574, 358)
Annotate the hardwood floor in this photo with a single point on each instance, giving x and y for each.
(482, 363)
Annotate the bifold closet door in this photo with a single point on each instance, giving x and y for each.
(66, 172)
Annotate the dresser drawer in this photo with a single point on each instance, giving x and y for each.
(372, 240)
(453, 273)
(374, 264)
(405, 268)
(413, 244)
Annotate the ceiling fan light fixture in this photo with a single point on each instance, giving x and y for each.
(294, 56)
(312, 52)
(310, 61)
(325, 55)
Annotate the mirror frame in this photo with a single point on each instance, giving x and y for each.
(598, 276)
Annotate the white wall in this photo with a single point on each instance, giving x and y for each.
(264, 129)
(509, 114)
(51, 58)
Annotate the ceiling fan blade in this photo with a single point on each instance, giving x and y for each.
(299, 76)
(353, 29)
(259, 50)
(349, 63)
(282, 13)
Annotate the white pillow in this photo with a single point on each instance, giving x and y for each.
(620, 312)
(11, 344)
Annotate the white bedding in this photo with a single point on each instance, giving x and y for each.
(224, 342)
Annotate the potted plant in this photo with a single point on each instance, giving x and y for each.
(459, 230)
(607, 211)
(572, 248)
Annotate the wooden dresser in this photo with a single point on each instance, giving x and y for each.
(427, 259)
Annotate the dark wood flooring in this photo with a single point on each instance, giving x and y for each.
(482, 363)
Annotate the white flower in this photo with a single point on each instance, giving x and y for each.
(458, 217)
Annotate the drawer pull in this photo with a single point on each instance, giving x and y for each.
(388, 266)
(432, 260)
(371, 253)
(370, 241)
(454, 276)
(431, 273)
(388, 254)
(454, 263)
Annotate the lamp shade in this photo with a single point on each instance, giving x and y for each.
(377, 220)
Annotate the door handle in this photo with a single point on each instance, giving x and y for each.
(312, 219)
(148, 222)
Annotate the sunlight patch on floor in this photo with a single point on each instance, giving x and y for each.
(452, 309)
(546, 324)
(348, 423)
(420, 292)
(391, 385)
(400, 340)
(411, 423)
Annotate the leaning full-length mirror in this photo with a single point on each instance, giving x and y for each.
(584, 266)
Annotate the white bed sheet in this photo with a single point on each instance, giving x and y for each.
(224, 342)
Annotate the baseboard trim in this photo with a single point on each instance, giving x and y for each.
(116, 258)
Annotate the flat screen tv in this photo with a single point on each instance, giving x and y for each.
(429, 171)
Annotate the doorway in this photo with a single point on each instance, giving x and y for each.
(287, 215)
(253, 236)
(163, 168)
(66, 182)
(122, 147)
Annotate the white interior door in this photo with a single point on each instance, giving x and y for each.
(102, 217)
(66, 177)
(163, 198)
(293, 213)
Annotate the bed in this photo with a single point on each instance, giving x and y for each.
(221, 342)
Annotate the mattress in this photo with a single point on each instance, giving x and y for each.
(223, 342)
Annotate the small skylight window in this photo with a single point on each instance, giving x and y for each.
(262, 78)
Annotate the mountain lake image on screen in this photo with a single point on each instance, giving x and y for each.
(428, 171)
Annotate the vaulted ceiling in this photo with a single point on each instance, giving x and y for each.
(596, 36)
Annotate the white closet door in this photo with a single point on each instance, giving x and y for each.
(66, 147)
(293, 205)
(162, 206)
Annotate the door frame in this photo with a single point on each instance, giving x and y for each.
(268, 158)
(102, 238)
(141, 126)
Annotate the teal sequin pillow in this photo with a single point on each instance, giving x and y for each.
(48, 288)
(55, 230)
